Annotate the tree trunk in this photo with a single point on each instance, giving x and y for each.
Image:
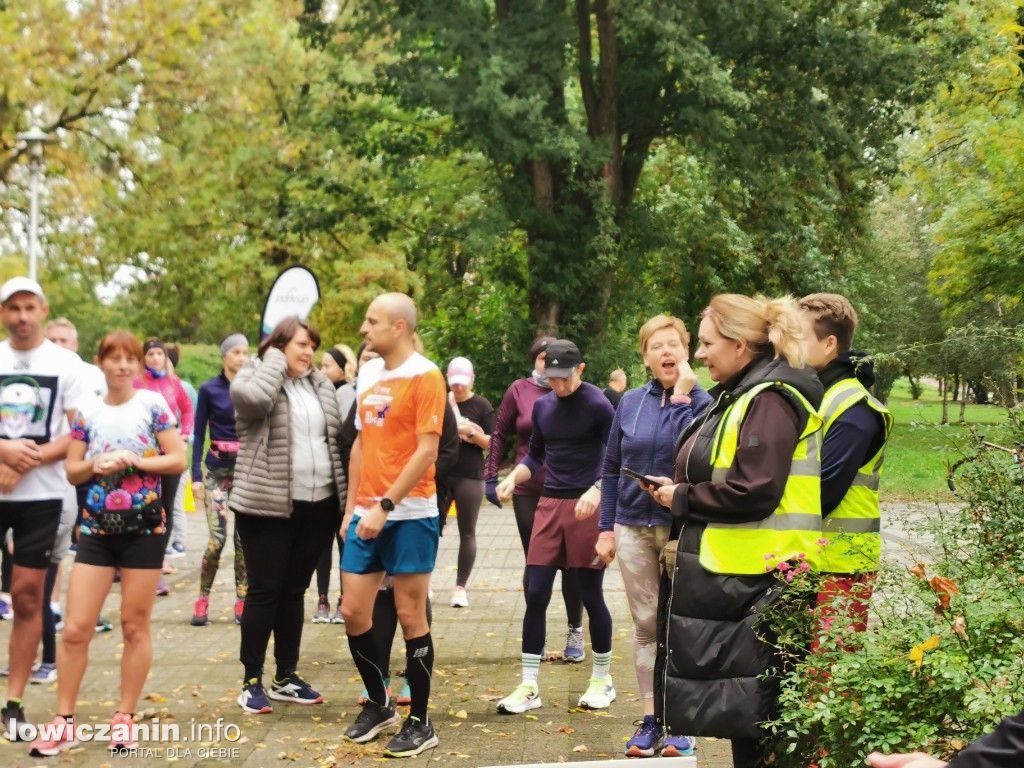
(945, 393)
(963, 406)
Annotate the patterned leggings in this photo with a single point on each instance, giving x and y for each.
(218, 484)
(637, 550)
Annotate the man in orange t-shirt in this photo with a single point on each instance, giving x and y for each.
(390, 524)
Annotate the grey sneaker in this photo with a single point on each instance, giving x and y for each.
(574, 646)
(338, 618)
(45, 673)
(323, 611)
(415, 737)
(372, 720)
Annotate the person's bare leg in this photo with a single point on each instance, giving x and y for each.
(138, 593)
(87, 589)
(27, 601)
(360, 590)
(411, 603)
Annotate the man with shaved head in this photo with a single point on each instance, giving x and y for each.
(390, 525)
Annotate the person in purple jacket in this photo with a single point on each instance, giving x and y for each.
(570, 430)
(515, 417)
(216, 411)
(633, 525)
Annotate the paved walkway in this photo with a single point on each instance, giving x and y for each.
(196, 677)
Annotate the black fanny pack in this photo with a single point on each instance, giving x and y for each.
(120, 521)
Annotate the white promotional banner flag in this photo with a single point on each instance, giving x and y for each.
(294, 292)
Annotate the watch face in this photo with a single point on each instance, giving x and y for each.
(387, 505)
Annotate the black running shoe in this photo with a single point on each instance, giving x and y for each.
(14, 715)
(372, 720)
(415, 737)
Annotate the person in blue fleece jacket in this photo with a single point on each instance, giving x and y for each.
(633, 525)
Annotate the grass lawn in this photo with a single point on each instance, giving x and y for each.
(915, 463)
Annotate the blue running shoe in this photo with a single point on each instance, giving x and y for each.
(646, 740)
(678, 746)
(574, 646)
(253, 700)
(294, 689)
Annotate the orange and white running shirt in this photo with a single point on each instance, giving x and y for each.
(393, 408)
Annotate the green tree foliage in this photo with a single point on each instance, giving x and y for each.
(966, 163)
(791, 105)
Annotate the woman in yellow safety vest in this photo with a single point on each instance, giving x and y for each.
(745, 498)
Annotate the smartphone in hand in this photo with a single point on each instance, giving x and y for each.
(644, 480)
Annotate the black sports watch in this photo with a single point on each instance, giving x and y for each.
(387, 504)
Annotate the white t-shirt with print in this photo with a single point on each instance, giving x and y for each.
(37, 389)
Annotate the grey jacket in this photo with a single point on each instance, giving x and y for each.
(263, 471)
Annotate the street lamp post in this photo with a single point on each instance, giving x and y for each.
(35, 139)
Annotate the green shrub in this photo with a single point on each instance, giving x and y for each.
(943, 659)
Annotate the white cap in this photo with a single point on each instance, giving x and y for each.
(20, 285)
(460, 371)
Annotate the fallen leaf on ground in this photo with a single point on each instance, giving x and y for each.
(580, 748)
(462, 714)
(566, 729)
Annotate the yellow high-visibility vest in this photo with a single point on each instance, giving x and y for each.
(792, 531)
(854, 526)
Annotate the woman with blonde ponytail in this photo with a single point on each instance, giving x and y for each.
(745, 500)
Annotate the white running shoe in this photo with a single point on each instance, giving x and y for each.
(600, 694)
(459, 599)
(522, 699)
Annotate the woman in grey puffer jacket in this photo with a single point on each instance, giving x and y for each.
(288, 501)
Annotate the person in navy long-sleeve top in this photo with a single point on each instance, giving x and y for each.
(853, 438)
(216, 412)
(570, 430)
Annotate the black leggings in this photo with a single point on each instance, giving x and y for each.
(323, 566)
(6, 567)
(280, 555)
(540, 580)
(49, 620)
(385, 624)
(468, 495)
(168, 490)
(525, 508)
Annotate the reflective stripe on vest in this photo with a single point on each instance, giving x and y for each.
(793, 529)
(855, 525)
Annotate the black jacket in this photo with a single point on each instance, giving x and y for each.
(711, 661)
(1003, 748)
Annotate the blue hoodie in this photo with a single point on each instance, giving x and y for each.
(643, 438)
